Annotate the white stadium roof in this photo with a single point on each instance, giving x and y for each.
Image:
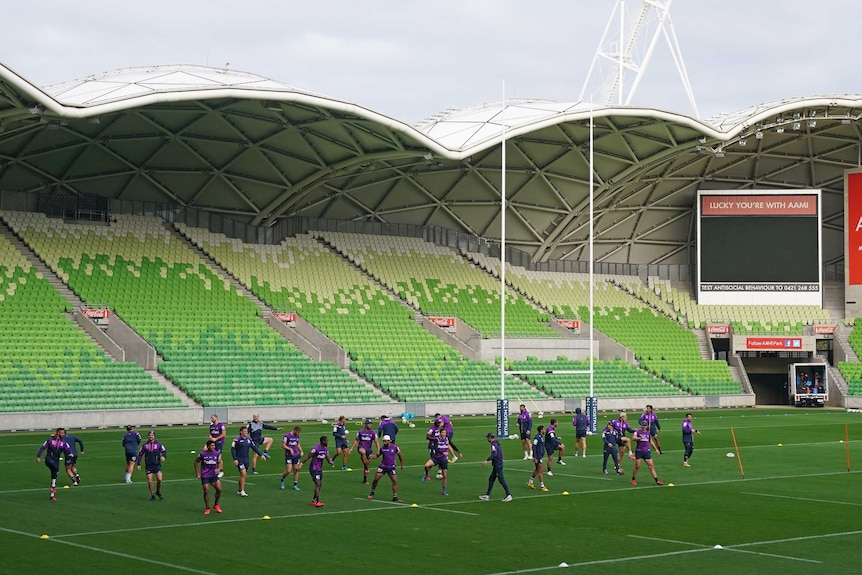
(259, 151)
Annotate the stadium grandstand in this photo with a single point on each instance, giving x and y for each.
(181, 239)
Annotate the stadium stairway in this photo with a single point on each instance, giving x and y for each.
(842, 335)
(420, 318)
(266, 314)
(76, 302)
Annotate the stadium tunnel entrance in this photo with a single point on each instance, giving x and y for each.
(767, 372)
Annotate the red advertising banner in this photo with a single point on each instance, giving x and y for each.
(824, 329)
(285, 317)
(97, 313)
(759, 205)
(569, 323)
(773, 343)
(853, 227)
(719, 329)
(442, 321)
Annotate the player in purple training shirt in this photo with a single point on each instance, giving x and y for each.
(651, 418)
(292, 455)
(53, 448)
(621, 426)
(318, 454)
(152, 454)
(218, 432)
(208, 465)
(525, 427)
(644, 440)
(366, 438)
(439, 457)
(450, 431)
(388, 452)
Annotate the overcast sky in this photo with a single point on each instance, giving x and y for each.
(411, 59)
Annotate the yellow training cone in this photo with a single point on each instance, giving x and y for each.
(780, 445)
(670, 484)
(565, 492)
(413, 505)
(65, 487)
(266, 516)
(43, 537)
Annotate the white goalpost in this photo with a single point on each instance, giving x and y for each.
(503, 402)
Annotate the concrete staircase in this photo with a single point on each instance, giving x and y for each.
(219, 270)
(169, 385)
(76, 303)
(41, 266)
(833, 300)
(703, 344)
(842, 335)
(267, 313)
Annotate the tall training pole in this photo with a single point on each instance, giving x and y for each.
(503, 403)
(592, 403)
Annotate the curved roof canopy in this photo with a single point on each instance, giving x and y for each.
(259, 150)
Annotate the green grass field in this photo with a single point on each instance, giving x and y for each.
(796, 510)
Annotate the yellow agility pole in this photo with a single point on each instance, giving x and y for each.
(847, 444)
(736, 448)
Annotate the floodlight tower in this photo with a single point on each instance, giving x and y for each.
(625, 51)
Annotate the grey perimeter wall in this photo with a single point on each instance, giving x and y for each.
(234, 415)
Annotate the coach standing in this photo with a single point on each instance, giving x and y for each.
(496, 459)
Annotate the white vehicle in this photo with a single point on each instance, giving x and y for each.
(807, 384)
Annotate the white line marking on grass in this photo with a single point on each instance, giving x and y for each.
(600, 477)
(799, 498)
(725, 548)
(602, 561)
(215, 521)
(115, 553)
(771, 555)
(668, 541)
(430, 506)
(800, 538)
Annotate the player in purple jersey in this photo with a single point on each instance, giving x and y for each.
(131, 443)
(53, 448)
(651, 418)
(342, 446)
(218, 432)
(621, 426)
(208, 465)
(688, 432)
(388, 452)
(318, 454)
(367, 440)
(152, 455)
(525, 428)
(643, 439)
(450, 431)
(292, 455)
(442, 449)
